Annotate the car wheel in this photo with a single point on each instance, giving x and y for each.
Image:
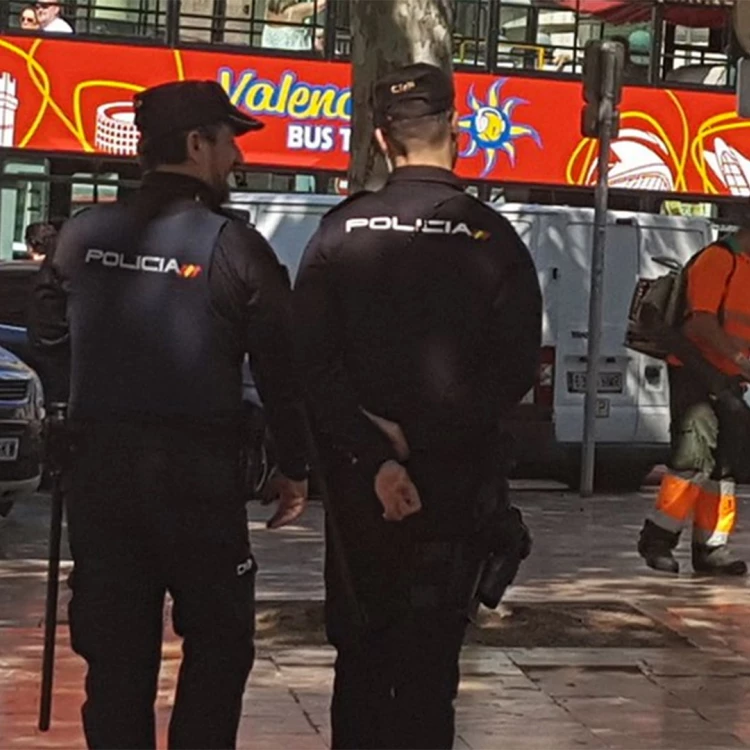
(6, 506)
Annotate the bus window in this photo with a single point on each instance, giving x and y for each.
(272, 182)
(698, 54)
(87, 188)
(121, 18)
(470, 33)
(539, 36)
(23, 200)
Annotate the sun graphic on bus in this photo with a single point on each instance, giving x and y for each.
(491, 127)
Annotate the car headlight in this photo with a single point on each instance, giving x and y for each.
(37, 395)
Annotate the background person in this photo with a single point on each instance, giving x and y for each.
(50, 20)
(27, 18)
(698, 487)
(40, 238)
(285, 24)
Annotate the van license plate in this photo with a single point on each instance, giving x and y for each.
(609, 382)
(8, 449)
(602, 408)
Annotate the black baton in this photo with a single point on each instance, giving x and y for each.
(55, 428)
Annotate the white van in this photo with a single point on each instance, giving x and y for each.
(633, 407)
(286, 220)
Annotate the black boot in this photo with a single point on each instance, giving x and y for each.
(655, 546)
(717, 561)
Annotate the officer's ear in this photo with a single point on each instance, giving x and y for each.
(383, 146)
(380, 139)
(455, 131)
(195, 142)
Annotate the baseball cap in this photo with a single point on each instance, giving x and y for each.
(640, 42)
(184, 105)
(412, 91)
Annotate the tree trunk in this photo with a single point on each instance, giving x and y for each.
(387, 34)
(742, 23)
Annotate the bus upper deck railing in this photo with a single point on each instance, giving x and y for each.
(542, 37)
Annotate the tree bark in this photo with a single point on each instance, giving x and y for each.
(741, 19)
(387, 34)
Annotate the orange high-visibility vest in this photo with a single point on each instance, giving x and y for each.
(719, 283)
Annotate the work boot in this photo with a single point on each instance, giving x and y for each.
(718, 561)
(655, 546)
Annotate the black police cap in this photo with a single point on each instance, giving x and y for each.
(184, 105)
(412, 91)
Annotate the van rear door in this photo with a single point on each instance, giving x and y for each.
(617, 401)
(675, 238)
(530, 223)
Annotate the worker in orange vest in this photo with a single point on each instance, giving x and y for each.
(700, 478)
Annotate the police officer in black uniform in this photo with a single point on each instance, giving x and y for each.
(159, 297)
(418, 316)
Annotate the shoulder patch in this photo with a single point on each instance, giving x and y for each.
(235, 214)
(349, 199)
(82, 211)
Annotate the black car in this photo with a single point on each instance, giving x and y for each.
(21, 417)
(21, 398)
(16, 282)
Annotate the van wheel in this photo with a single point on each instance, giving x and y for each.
(6, 506)
(610, 478)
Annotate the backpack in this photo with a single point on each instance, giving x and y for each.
(661, 303)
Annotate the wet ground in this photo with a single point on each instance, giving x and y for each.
(605, 654)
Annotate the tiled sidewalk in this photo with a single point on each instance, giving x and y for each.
(540, 699)
(694, 697)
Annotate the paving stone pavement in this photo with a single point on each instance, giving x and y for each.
(688, 698)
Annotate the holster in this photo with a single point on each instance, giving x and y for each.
(505, 541)
(57, 439)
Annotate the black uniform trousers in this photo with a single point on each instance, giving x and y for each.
(149, 512)
(397, 677)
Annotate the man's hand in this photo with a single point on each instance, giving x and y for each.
(393, 432)
(291, 495)
(396, 492)
(561, 58)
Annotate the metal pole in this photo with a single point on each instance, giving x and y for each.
(493, 27)
(173, 22)
(4, 16)
(329, 28)
(606, 114)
